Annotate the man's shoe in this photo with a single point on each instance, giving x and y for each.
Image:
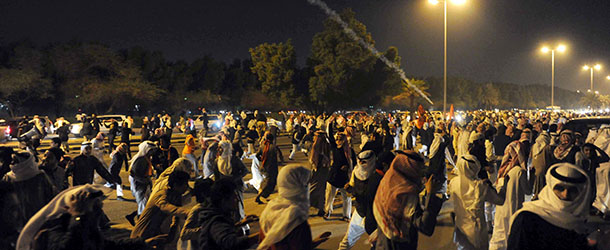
(120, 198)
(258, 200)
(326, 216)
(131, 218)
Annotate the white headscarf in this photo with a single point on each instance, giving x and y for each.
(468, 168)
(224, 160)
(542, 141)
(570, 215)
(53, 210)
(436, 143)
(143, 149)
(24, 170)
(84, 145)
(364, 171)
(291, 208)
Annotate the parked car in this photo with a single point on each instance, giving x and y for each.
(75, 128)
(8, 129)
(587, 125)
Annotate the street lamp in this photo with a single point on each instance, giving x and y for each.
(560, 48)
(596, 67)
(456, 2)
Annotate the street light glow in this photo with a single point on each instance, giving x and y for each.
(586, 67)
(608, 77)
(598, 66)
(545, 49)
(597, 92)
(435, 2)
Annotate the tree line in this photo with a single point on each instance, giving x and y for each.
(65, 78)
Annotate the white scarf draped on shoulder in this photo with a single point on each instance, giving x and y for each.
(290, 209)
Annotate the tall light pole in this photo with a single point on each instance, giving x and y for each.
(596, 67)
(434, 2)
(560, 48)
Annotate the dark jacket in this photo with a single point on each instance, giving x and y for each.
(82, 167)
(56, 175)
(162, 159)
(437, 164)
(33, 193)
(500, 143)
(364, 192)
(63, 132)
(125, 133)
(298, 133)
(337, 176)
(251, 136)
(533, 232)
(218, 231)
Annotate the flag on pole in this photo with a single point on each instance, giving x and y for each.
(421, 119)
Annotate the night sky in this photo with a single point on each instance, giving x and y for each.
(489, 40)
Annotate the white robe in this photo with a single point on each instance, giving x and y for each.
(469, 195)
(602, 199)
(463, 143)
(257, 176)
(98, 150)
(518, 186)
(602, 138)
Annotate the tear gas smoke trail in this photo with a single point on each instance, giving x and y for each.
(368, 46)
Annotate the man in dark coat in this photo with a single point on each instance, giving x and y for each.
(95, 125)
(343, 159)
(63, 133)
(126, 133)
(112, 132)
(82, 167)
(206, 120)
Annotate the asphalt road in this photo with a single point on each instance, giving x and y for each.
(116, 210)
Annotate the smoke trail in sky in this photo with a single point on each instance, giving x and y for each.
(368, 46)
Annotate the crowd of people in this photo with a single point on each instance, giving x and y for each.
(516, 180)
